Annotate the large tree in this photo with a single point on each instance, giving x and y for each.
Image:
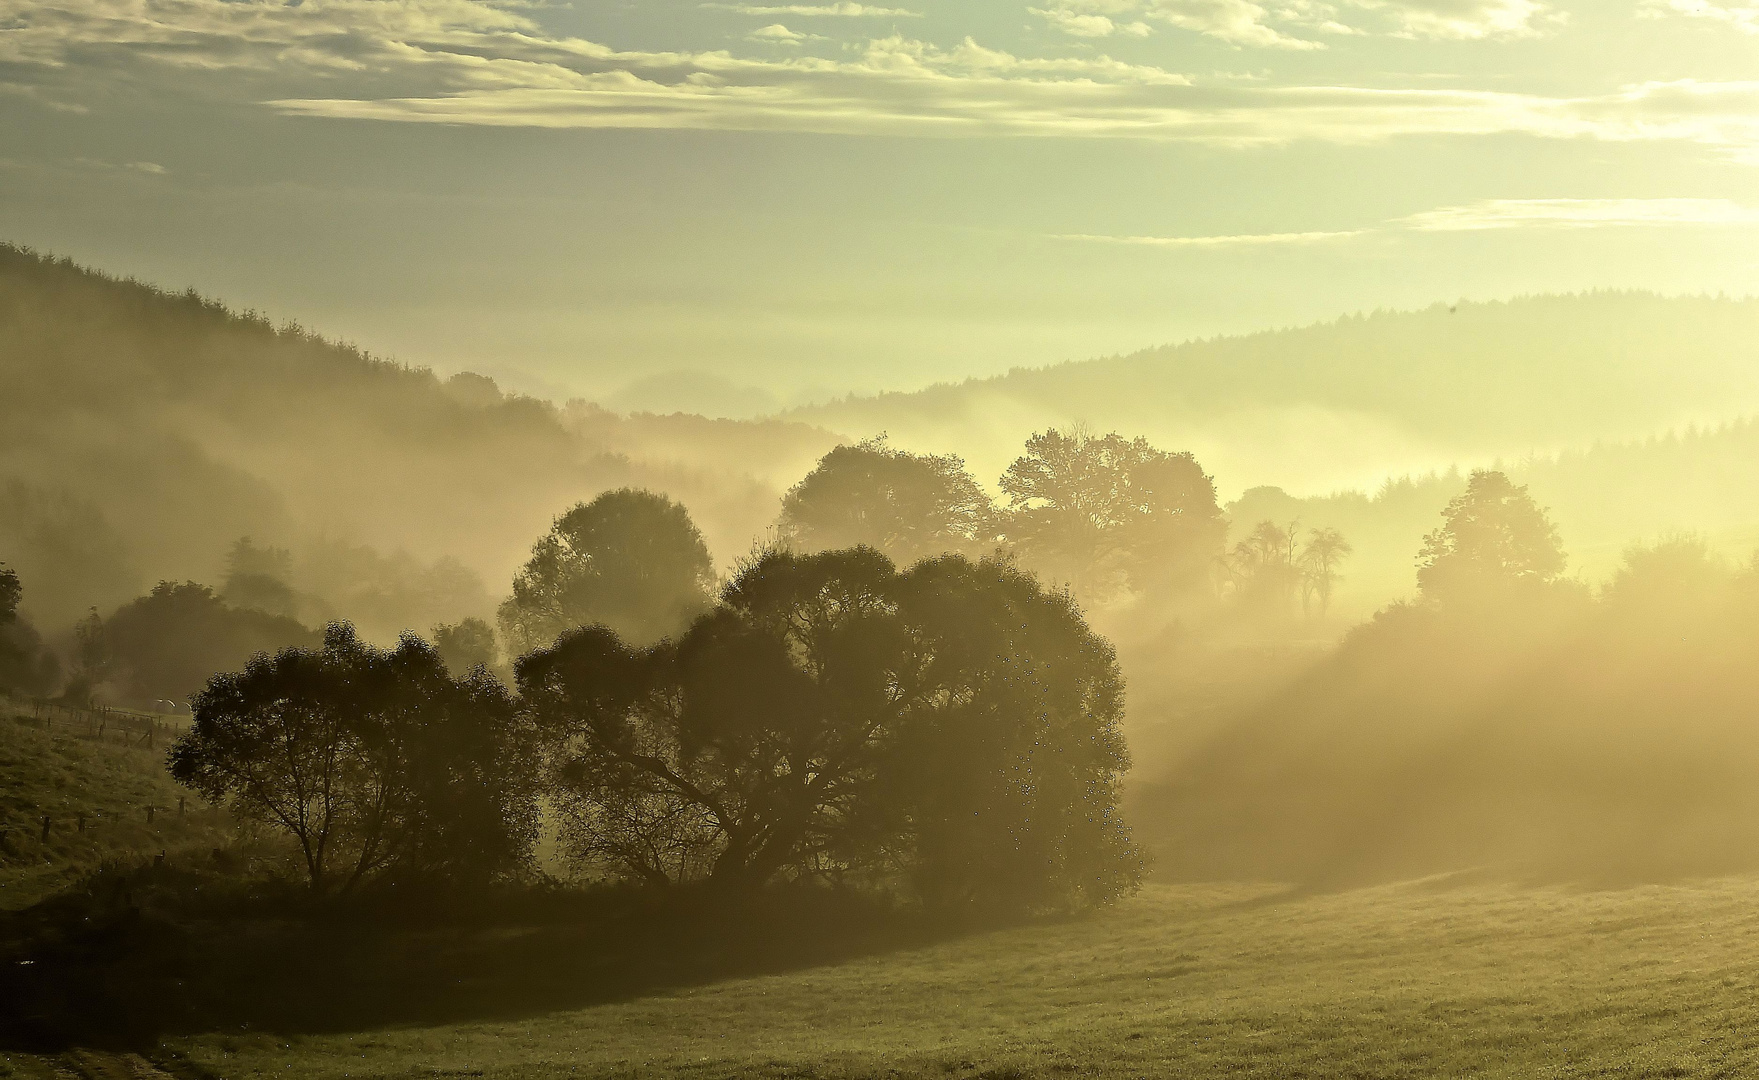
(1103, 512)
(372, 761)
(909, 506)
(631, 560)
(1494, 543)
(953, 729)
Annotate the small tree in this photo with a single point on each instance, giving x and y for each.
(1494, 543)
(630, 560)
(909, 506)
(374, 762)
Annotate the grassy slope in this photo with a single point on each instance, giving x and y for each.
(54, 773)
(1419, 979)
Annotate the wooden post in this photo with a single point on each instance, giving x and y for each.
(47, 821)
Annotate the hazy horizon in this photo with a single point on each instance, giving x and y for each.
(818, 199)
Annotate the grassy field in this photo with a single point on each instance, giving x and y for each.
(55, 773)
(1436, 978)
(1457, 977)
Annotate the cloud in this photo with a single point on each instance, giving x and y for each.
(469, 62)
(1465, 20)
(1237, 22)
(1241, 240)
(1580, 214)
(777, 34)
(844, 11)
(1743, 17)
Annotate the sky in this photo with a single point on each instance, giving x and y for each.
(822, 198)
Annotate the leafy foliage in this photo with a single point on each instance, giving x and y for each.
(952, 730)
(909, 506)
(1101, 512)
(1494, 539)
(375, 762)
(630, 560)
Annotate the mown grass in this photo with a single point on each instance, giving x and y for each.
(1424, 979)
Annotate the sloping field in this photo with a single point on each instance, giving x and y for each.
(1437, 978)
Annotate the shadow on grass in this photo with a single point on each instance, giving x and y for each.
(134, 957)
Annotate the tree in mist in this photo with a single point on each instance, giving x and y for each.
(167, 644)
(1324, 552)
(374, 762)
(909, 506)
(466, 645)
(952, 730)
(1264, 568)
(630, 560)
(1494, 542)
(1097, 512)
(25, 666)
(257, 579)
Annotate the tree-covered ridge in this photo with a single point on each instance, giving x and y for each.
(144, 431)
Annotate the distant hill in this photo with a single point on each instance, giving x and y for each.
(1352, 402)
(141, 432)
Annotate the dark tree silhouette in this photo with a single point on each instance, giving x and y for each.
(909, 506)
(25, 666)
(1494, 543)
(11, 593)
(630, 560)
(466, 645)
(1104, 512)
(953, 728)
(375, 762)
(167, 644)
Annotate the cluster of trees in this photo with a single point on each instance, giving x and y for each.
(1100, 514)
(950, 731)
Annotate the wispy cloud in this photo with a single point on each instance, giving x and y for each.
(1288, 24)
(1240, 240)
(1743, 17)
(470, 62)
(1581, 214)
(841, 11)
(777, 34)
(1464, 20)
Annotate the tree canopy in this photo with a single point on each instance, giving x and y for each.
(952, 730)
(630, 560)
(909, 506)
(375, 762)
(166, 645)
(1102, 511)
(1494, 541)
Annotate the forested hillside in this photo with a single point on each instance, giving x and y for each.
(1351, 402)
(142, 433)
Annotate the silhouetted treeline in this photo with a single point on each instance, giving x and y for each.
(950, 733)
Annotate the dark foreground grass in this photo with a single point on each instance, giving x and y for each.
(1437, 978)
